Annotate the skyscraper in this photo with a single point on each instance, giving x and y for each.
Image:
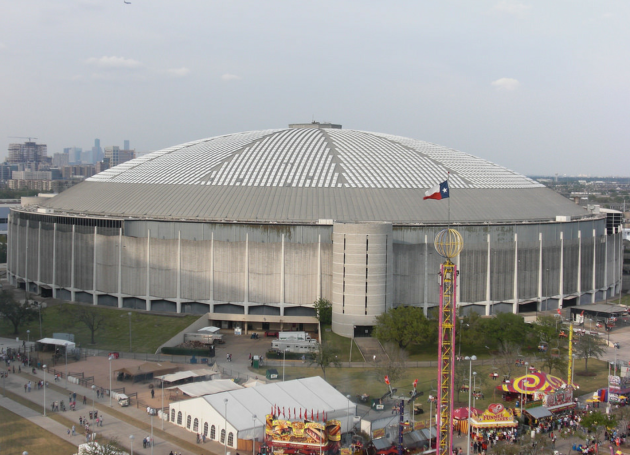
(28, 153)
(117, 156)
(126, 144)
(97, 151)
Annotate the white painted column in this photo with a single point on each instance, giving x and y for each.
(26, 257)
(594, 266)
(606, 265)
(579, 267)
(426, 275)
(319, 267)
(9, 238)
(282, 274)
(72, 291)
(540, 271)
(515, 305)
(94, 267)
(246, 276)
(614, 280)
(39, 254)
(488, 280)
(148, 296)
(120, 248)
(212, 272)
(54, 262)
(178, 302)
(561, 277)
(17, 255)
(620, 259)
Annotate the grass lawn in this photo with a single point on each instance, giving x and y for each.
(18, 435)
(357, 381)
(343, 344)
(148, 331)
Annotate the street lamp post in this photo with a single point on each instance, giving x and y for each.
(254, 435)
(524, 382)
(474, 388)
(348, 414)
(461, 329)
(66, 349)
(470, 360)
(28, 347)
(129, 313)
(131, 438)
(162, 381)
(93, 389)
(44, 366)
(284, 357)
(111, 357)
(151, 433)
(225, 434)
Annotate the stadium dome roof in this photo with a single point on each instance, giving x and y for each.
(310, 172)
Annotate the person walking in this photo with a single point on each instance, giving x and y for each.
(152, 393)
(73, 430)
(84, 399)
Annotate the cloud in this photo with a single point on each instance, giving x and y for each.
(511, 7)
(178, 72)
(231, 77)
(2, 46)
(506, 84)
(114, 63)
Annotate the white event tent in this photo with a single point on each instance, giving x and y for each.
(242, 412)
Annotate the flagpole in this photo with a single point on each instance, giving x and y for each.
(448, 176)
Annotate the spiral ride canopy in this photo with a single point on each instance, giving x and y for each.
(534, 382)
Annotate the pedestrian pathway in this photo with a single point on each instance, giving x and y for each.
(113, 426)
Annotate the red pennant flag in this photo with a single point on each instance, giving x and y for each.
(317, 415)
(387, 380)
(294, 414)
(312, 415)
(283, 414)
(415, 384)
(300, 413)
(559, 311)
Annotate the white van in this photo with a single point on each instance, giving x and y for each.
(123, 400)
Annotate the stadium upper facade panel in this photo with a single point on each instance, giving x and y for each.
(308, 173)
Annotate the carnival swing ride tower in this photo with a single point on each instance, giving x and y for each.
(448, 244)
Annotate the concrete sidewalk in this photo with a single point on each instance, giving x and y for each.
(113, 427)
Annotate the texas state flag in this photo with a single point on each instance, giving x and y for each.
(438, 192)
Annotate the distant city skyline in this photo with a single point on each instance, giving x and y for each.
(538, 87)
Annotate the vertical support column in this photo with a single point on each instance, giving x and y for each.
(26, 257)
(39, 254)
(579, 267)
(488, 280)
(54, 262)
(178, 302)
(94, 267)
(246, 274)
(594, 266)
(561, 277)
(148, 296)
(319, 267)
(9, 248)
(426, 275)
(72, 291)
(620, 261)
(606, 265)
(17, 254)
(282, 274)
(515, 305)
(212, 272)
(120, 248)
(540, 271)
(614, 280)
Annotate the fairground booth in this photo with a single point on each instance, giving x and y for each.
(539, 394)
(496, 417)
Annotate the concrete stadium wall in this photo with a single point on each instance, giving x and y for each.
(264, 270)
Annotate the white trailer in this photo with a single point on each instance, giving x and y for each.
(295, 346)
(293, 336)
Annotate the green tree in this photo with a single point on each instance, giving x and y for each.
(545, 328)
(17, 313)
(324, 311)
(326, 356)
(93, 318)
(404, 325)
(589, 346)
(596, 422)
(506, 331)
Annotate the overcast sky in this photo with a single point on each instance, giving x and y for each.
(536, 86)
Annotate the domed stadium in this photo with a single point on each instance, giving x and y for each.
(252, 228)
